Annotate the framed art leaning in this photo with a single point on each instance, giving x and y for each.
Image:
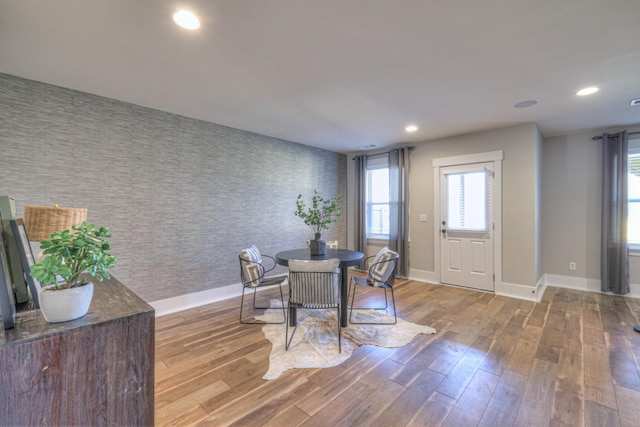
(26, 258)
(7, 302)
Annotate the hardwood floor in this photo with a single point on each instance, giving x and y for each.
(571, 360)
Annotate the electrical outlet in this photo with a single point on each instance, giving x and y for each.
(572, 266)
(423, 217)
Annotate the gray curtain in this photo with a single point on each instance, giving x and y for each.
(360, 224)
(399, 207)
(614, 264)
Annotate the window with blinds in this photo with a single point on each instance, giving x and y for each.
(378, 197)
(468, 201)
(633, 224)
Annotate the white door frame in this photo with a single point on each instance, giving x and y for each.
(492, 156)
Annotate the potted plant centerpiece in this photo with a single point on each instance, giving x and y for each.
(68, 255)
(318, 216)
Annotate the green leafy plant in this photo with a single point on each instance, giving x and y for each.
(321, 213)
(68, 254)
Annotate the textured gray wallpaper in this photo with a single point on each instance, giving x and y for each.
(181, 196)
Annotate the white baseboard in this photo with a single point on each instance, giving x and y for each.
(534, 294)
(524, 292)
(541, 286)
(569, 282)
(423, 276)
(196, 299)
(504, 289)
(584, 284)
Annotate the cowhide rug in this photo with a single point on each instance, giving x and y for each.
(315, 344)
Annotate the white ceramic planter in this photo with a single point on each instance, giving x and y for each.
(65, 304)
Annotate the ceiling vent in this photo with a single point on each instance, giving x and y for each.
(635, 102)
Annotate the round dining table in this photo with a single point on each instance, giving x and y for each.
(347, 257)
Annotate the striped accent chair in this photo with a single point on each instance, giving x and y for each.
(252, 274)
(381, 273)
(314, 285)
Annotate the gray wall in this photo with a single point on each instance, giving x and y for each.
(522, 147)
(571, 205)
(551, 201)
(181, 196)
(538, 204)
(519, 228)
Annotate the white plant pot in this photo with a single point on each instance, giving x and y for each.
(62, 305)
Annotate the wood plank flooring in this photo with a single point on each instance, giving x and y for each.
(571, 360)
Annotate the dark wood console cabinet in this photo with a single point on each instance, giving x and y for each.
(94, 371)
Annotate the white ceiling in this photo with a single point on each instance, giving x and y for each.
(341, 74)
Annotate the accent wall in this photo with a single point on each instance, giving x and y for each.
(181, 196)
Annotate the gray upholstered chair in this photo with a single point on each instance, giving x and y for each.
(381, 273)
(252, 273)
(314, 285)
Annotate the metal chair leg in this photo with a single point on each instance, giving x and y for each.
(284, 315)
(287, 341)
(339, 331)
(254, 302)
(386, 303)
(393, 300)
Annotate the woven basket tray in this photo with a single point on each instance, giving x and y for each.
(41, 221)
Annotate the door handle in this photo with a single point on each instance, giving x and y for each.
(444, 231)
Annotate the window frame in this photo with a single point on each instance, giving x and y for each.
(380, 161)
(467, 230)
(634, 148)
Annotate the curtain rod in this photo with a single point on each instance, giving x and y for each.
(408, 147)
(595, 138)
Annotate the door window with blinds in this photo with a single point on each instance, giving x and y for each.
(467, 202)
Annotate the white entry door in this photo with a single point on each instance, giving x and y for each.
(466, 225)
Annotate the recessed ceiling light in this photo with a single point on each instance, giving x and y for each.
(525, 104)
(587, 91)
(186, 20)
(411, 128)
(366, 147)
(635, 102)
